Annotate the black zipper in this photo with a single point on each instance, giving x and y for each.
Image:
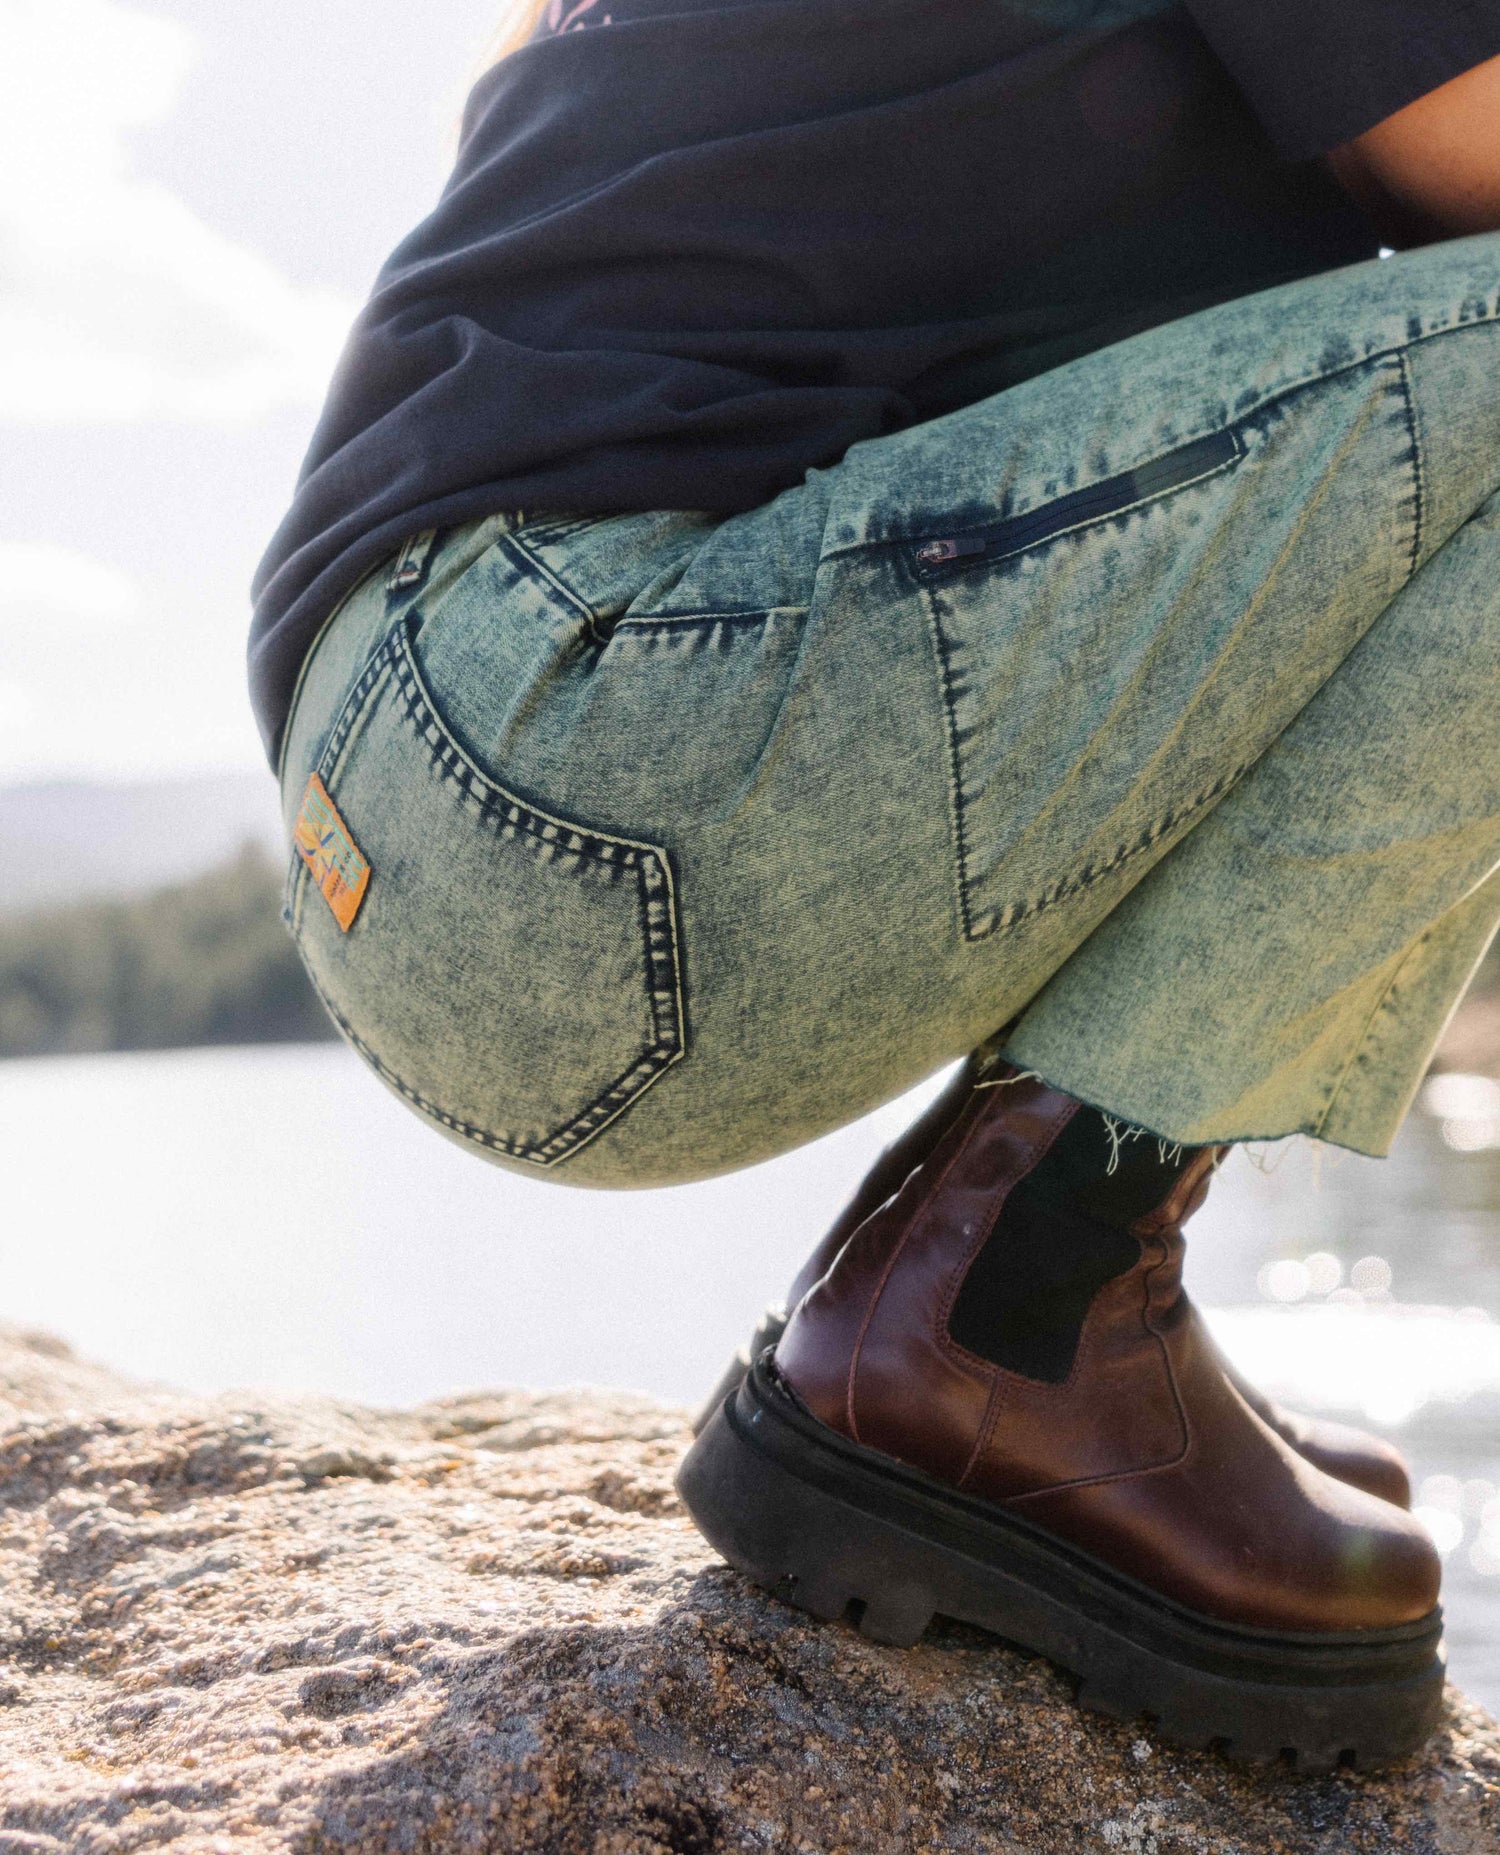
(1189, 463)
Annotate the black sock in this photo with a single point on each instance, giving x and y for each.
(1063, 1232)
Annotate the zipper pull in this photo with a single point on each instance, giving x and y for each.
(934, 553)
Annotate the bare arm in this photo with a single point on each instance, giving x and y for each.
(1433, 169)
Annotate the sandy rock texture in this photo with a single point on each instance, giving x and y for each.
(237, 1624)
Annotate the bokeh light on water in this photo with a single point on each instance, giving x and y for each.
(1460, 1513)
(1371, 1292)
(1467, 1109)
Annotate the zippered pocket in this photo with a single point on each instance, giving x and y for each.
(1117, 495)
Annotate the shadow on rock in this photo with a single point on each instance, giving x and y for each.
(732, 1723)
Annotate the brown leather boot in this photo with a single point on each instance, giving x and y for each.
(1348, 1454)
(1135, 1519)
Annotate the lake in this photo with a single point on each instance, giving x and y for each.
(271, 1218)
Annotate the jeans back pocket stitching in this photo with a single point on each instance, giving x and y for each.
(550, 1152)
(502, 812)
(598, 629)
(1417, 461)
(508, 816)
(956, 805)
(330, 758)
(705, 621)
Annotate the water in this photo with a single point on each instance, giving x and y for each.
(271, 1218)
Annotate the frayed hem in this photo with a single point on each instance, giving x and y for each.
(1320, 1135)
(1121, 1133)
(1008, 1082)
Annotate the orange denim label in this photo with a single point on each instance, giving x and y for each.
(325, 845)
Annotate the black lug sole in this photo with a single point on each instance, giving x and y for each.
(839, 1530)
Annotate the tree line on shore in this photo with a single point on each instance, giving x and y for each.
(203, 962)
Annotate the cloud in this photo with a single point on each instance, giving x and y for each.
(105, 678)
(117, 302)
(37, 579)
(17, 708)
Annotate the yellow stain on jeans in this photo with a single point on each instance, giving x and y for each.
(326, 846)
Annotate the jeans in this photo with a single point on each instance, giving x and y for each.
(1146, 710)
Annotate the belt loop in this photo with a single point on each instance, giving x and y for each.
(414, 562)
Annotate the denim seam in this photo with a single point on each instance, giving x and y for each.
(598, 630)
(307, 657)
(1241, 416)
(1376, 1012)
(502, 812)
(1014, 914)
(689, 621)
(1419, 497)
(551, 529)
(956, 804)
(1418, 462)
(354, 704)
(549, 1153)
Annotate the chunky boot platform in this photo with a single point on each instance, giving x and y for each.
(1348, 1454)
(1135, 1520)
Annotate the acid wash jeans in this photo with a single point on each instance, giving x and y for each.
(1148, 709)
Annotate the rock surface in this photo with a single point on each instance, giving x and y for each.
(242, 1624)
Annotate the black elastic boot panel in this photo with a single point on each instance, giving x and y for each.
(1063, 1232)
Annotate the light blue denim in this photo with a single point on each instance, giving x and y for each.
(1147, 709)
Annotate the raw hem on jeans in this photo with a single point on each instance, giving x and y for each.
(1326, 1128)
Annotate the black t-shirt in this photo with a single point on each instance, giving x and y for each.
(692, 248)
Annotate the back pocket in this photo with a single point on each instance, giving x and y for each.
(514, 975)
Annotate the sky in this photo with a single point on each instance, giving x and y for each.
(194, 200)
